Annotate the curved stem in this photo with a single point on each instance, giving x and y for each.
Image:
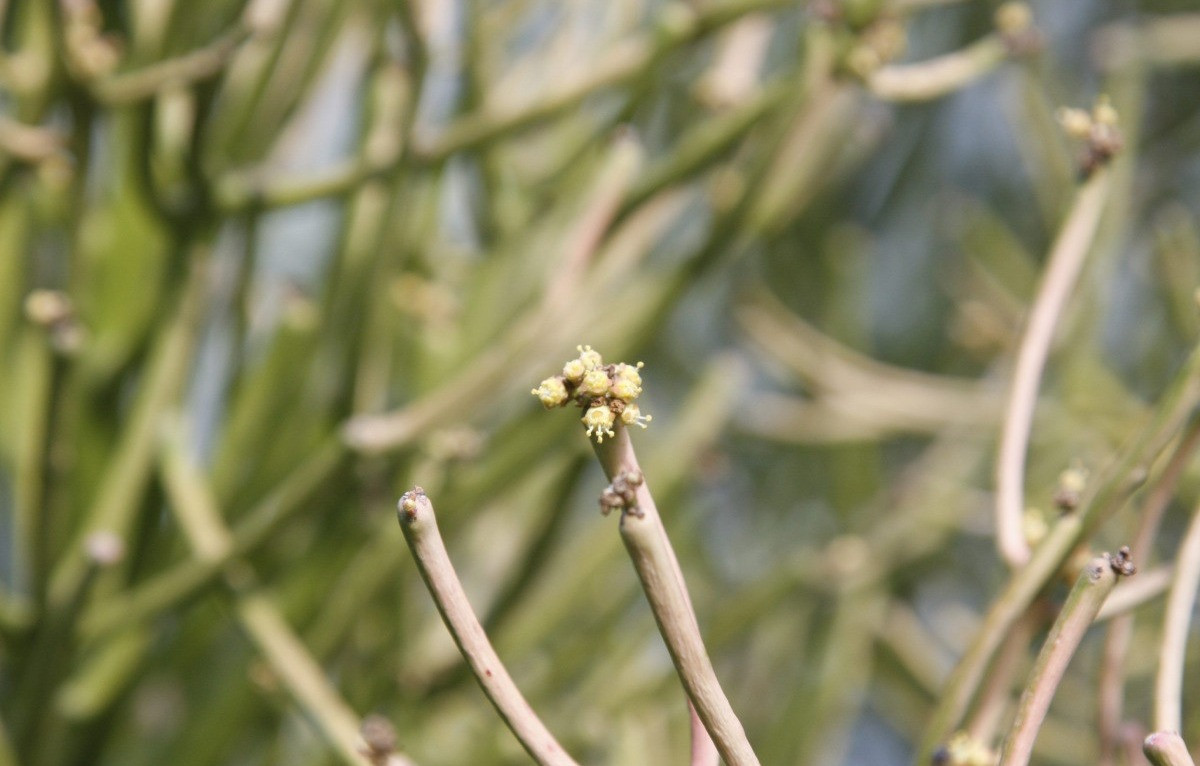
(937, 77)
(195, 508)
(624, 63)
(1062, 272)
(703, 749)
(183, 580)
(1093, 586)
(646, 540)
(1111, 687)
(1127, 596)
(419, 524)
(1166, 748)
(1125, 474)
(200, 64)
(1168, 686)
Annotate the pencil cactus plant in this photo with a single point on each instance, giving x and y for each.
(894, 265)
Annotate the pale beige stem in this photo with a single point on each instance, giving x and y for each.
(195, 509)
(1168, 687)
(704, 750)
(646, 540)
(1062, 271)
(419, 524)
(1166, 748)
(1128, 596)
(1111, 688)
(937, 77)
(1093, 586)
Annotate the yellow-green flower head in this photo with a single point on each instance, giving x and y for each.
(551, 393)
(963, 750)
(599, 421)
(627, 382)
(1103, 112)
(632, 416)
(574, 370)
(595, 383)
(1075, 122)
(591, 359)
(625, 391)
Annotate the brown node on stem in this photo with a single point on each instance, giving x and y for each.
(379, 738)
(1122, 562)
(622, 494)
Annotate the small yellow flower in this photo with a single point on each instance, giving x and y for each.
(1034, 526)
(595, 383)
(963, 750)
(1103, 112)
(607, 391)
(551, 393)
(599, 421)
(591, 359)
(632, 416)
(627, 381)
(1075, 122)
(1013, 18)
(625, 391)
(574, 370)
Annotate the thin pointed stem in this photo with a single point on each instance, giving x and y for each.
(1168, 687)
(657, 567)
(1110, 494)
(1111, 691)
(1093, 586)
(703, 749)
(937, 77)
(195, 508)
(1166, 748)
(419, 523)
(1062, 272)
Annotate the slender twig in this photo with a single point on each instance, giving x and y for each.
(1130, 595)
(937, 77)
(848, 384)
(419, 523)
(200, 64)
(623, 64)
(117, 500)
(1168, 687)
(387, 431)
(29, 143)
(583, 240)
(1062, 271)
(185, 579)
(1166, 748)
(1004, 612)
(995, 697)
(1095, 582)
(657, 567)
(705, 143)
(904, 7)
(194, 505)
(40, 378)
(301, 674)
(1111, 687)
(1165, 40)
(733, 77)
(1104, 498)
(703, 749)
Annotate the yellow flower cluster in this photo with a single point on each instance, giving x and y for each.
(1098, 130)
(606, 392)
(964, 750)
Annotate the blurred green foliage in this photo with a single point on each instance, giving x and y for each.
(266, 265)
